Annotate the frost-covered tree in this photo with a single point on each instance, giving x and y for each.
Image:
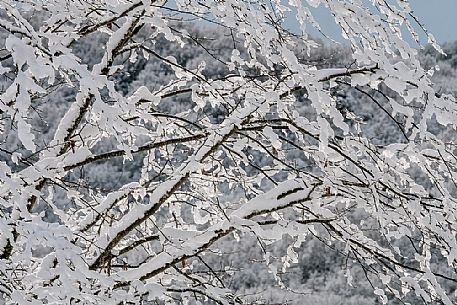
(253, 142)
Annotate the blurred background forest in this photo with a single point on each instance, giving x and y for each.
(322, 275)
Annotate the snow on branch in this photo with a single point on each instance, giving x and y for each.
(156, 153)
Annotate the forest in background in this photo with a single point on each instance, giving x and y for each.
(321, 274)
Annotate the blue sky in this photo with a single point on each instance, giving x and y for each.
(438, 16)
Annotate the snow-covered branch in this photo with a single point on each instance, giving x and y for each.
(140, 143)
